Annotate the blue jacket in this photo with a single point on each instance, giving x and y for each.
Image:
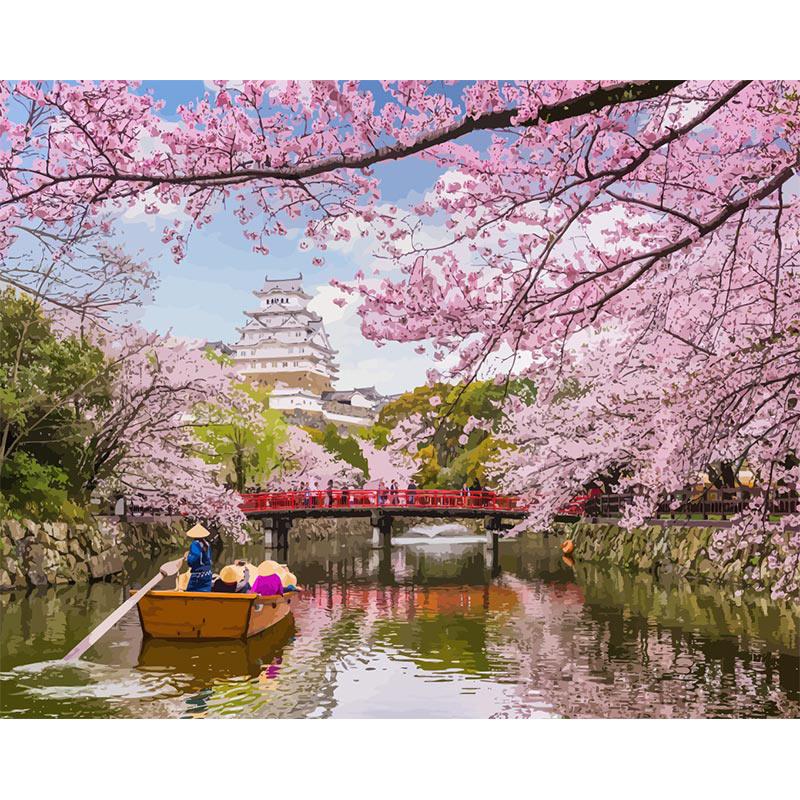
(199, 560)
(199, 557)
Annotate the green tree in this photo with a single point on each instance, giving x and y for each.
(50, 389)
(248, 448)
(345, 448)
(445, 461)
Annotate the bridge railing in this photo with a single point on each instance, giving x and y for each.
(378, 498)
(703, 502)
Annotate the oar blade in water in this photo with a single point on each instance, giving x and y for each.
(167, 570)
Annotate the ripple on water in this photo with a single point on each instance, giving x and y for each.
(431, 633)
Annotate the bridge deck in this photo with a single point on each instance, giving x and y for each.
(363, 502)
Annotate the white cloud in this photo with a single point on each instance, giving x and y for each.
(331, 312)
(388, 370)
(277, 86)
(136, 214)
(391, 369)
(212, 85)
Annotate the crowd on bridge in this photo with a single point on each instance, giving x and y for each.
(313, 494)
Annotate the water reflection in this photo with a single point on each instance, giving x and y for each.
(430, 627)
(192, 666)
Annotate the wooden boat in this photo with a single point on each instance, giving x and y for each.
(211, 615)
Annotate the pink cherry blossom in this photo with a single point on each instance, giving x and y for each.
(632, 247)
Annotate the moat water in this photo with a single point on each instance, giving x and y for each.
(431, 628)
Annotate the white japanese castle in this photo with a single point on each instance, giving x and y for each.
(284, 346)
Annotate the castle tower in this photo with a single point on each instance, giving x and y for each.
(284, 346)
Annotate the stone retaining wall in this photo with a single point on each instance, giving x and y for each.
(683, 550)
(50, 553)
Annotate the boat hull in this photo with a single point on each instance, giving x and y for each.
(210, 615)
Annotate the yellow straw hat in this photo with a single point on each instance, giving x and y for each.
(230, 574)
(197, 532)
(291, 579)
(266, 568)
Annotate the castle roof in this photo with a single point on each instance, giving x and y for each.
(370, 392)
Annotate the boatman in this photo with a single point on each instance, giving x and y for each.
(199, 560)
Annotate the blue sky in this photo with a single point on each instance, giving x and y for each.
(205, 295)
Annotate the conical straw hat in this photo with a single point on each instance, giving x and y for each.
(282, 572)
(230, 574)
(268, 568)
(197, 532)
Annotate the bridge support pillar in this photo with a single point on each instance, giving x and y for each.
(492, 526)
(381, 529)
(491, 553)
(276, 532)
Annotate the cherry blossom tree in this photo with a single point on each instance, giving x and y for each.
(388, 463)
(308, 461)
(144, 446)
(633, 241)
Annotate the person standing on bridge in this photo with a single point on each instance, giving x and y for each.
(395, 492)
(329, 494)
(315, 499)
(475, 491)
(411, 492)
(199, 560)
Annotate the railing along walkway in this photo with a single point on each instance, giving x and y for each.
(342, 499)
(709, 503)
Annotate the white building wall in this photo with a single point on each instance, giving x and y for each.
(344, 418)
(288, 399)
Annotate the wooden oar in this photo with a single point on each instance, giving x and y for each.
(166, 570)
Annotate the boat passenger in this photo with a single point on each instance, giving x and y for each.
(290, 582)
(268, 580)
(288, 578)
(228, 580)
(248, 574)
(199, 560)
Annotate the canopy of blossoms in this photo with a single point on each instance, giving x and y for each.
(654, 222)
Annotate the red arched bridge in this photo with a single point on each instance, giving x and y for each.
(358, 502)
(278, 509)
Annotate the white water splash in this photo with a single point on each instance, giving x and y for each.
(437, 541)
(39, 667)
(452, 528)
